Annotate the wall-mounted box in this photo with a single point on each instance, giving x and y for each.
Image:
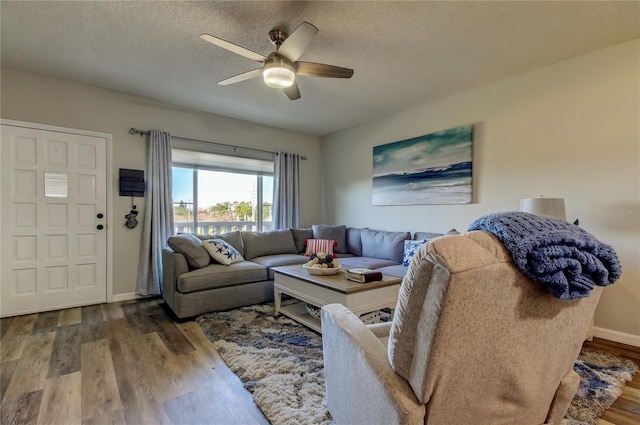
(132, 182)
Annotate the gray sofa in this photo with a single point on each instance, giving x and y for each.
(194, 284)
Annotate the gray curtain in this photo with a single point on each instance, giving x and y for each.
(286, 191)
(157, 225)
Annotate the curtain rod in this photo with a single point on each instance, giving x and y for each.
(133, 130)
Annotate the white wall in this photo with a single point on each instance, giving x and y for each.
(568, 130)
(34, 98)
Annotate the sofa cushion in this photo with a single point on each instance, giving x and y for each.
(383, 244)
(425, 235)
(410, 248)
(222, 252)
(257, 244)
(219, 276)
(336, 232)
(395, 271)
(234, 238)
(354, 242)
(365, 263)
(270, 261)
(300, 236)
(320, 245)
(192, 249)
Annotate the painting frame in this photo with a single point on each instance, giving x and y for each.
(432, 169)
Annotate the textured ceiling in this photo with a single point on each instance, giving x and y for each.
(403, 53)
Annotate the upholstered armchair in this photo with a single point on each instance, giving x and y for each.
(472, 341)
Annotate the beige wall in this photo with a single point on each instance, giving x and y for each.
(34, 98)
(568, 130)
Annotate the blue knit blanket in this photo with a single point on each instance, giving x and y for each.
(567, 260)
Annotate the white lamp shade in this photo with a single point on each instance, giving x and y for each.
(551, 207)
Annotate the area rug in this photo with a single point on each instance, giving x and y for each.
(280, 362)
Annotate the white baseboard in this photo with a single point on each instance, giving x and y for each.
(126, 297)
(621, 337)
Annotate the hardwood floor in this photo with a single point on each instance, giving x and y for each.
(120, 363)
(130, 363)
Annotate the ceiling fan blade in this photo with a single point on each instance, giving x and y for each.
(292, 92)
(241, 77)
(299, 40)
(233, 48)
(322, 70)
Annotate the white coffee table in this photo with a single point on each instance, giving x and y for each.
(360, 298)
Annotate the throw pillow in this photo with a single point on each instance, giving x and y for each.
(192, 249)
(300, 237)
(257, 244)
(234, 238)
(410, 248)
(336, 232)
(221, 251)
(320, 245)
(354, 241)
(383, 244)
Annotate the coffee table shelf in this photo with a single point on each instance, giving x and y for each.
(299, 313)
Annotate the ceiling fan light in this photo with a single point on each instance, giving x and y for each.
(278, 75)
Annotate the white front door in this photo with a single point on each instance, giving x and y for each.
(53, 220)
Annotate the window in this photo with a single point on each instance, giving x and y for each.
(215, 194)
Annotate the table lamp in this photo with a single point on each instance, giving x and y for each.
(551, 207)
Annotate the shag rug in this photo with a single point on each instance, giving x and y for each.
(280, 362)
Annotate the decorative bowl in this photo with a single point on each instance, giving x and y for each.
(323, 272)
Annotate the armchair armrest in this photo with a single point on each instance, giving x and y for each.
(361, 386)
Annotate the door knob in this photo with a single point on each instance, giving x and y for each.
(99, 227)
(100, 215)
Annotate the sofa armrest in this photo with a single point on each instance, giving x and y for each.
(361, 386)
(173, 265)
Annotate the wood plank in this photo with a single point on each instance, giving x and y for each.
(66, 351)
(93, 326)
(174, 340)
(5, 323)
(115, 417)
(118, 329)
(47, 321)
(14, 339)
(146, 306)
(70, 316)
(198, 339)
(620, 417)
(61, 400)
(200, 407)
(138, 401)
(223, 379)
(112, 311)
(140, 323)
(631, 394)
(23, 410)
(7, 370)
(99, 389)
(161, 369)
(31, 371)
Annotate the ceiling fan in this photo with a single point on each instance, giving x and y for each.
(280, 68)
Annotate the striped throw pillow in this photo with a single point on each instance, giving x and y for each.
(320, 245)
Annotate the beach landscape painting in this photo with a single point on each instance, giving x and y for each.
(431, 169)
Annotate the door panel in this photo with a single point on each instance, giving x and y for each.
(53, 187)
